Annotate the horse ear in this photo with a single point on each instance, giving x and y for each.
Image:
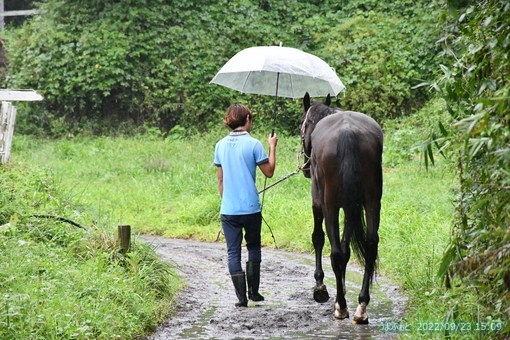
(306, 101)
(328, 100)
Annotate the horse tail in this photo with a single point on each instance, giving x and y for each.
(353, 192)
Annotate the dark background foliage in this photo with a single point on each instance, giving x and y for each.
(16, 5)
(101, 65)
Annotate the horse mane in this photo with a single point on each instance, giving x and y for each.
(320, 110)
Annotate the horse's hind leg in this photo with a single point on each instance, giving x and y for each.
(341, 311)
(320, 293)
(361, 316)
(339, 258)
(372, 210)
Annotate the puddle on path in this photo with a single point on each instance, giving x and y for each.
(206, 308)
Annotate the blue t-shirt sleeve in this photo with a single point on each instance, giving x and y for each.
(217, 161)
(260, 153)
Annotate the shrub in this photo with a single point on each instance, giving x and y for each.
(475, 85)
(135, 65)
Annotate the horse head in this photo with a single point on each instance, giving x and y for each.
(313, 113)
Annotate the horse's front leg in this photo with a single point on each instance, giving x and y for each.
(320, 292)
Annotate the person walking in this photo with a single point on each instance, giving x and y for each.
(236, 157)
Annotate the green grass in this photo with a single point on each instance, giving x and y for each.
(62, 282)
(168, 187)
(416, 220)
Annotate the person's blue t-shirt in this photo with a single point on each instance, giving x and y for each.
(238, 154)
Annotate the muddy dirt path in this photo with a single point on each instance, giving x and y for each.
(206, 307)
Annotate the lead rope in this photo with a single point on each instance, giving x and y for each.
(299, 168)
(262, 208)
(263, 191)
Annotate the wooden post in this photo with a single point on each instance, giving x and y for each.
(124, 237)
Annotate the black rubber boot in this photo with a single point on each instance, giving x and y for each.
(253, 274)
(239, 281)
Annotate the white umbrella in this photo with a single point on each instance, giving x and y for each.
(279, 71)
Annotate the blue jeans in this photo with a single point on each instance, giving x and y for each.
(233, 226)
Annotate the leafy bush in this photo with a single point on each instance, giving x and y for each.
(133, 61)
(475, 86)
(149, 63)
(381, 50)
(403, 137)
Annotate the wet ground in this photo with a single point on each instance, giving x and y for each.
(206, 307)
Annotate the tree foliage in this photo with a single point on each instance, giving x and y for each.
(150, 62)
(475, 84)
(381, 50)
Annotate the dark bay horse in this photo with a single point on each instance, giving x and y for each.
(344, 149)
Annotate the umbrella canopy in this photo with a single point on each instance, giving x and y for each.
(279, 71)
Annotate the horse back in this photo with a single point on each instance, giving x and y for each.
(369, 134)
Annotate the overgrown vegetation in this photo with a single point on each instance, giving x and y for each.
(475, 85)
(121, 65)
(381, 50)
(138, 66)
(62, 282)
(168, 187)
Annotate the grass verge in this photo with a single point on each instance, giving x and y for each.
(62, 282)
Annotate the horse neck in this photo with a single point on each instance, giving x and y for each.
(312, 121)
(318, 116)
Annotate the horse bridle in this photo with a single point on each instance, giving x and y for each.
(303, 128)
(299, 167)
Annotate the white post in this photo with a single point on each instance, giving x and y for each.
(8, 117)
(9, 112)
(4, 118)
(2, 9)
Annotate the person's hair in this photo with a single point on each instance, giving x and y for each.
(236, 116)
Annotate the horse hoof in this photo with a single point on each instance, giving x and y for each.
(320, 294)
(361, 316)
(341, 313)
(360, 320)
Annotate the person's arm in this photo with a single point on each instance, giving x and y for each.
(267, 168)
(220, 180)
